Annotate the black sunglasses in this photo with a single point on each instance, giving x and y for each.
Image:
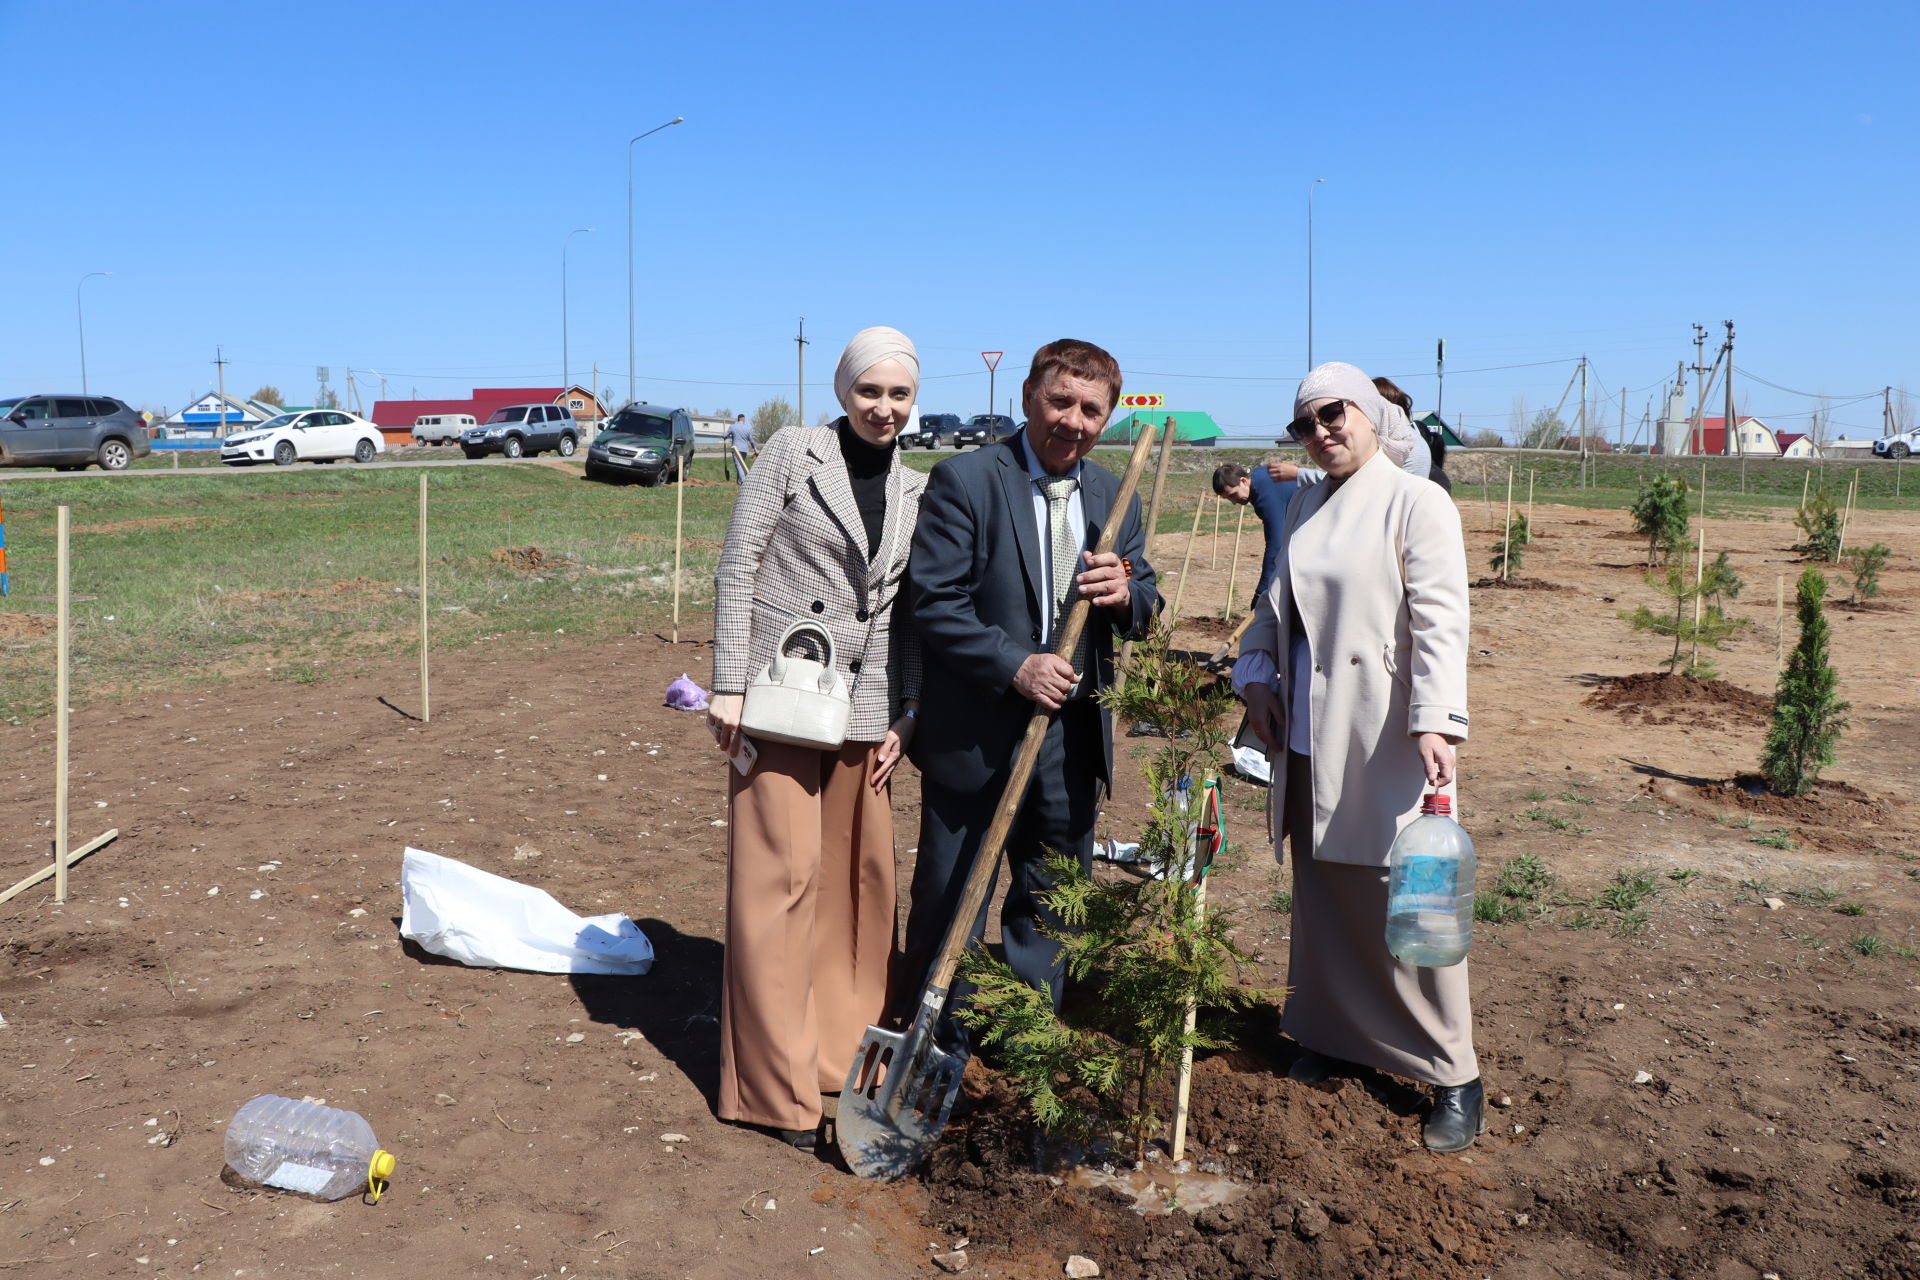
(1329, 415)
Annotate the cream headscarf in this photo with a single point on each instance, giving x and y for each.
(1398, 440)
(868, 348)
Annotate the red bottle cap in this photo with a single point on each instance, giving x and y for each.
(1437, 803)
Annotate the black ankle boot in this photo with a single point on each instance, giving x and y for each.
(1457, 1118)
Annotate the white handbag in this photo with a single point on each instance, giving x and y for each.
(796, 700)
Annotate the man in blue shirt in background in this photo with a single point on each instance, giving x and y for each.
(1268, 489)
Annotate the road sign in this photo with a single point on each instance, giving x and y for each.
(992, 358)
(1143, 401)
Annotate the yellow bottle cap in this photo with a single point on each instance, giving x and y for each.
(379, 1169)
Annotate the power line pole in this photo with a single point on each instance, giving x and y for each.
(1583, 422)
(220, 361)
(1440, 374)
(1732, 426)
(1886, 411)
(800, 341)
(1699, 386)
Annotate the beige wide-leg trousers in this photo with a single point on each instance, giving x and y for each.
(810, 928)
(1349, 998)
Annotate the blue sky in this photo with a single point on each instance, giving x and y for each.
(388, 187)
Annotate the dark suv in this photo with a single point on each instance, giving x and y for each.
(932, 427)
(643, 442)
(984, 429)
(70, 432)
(523, 429)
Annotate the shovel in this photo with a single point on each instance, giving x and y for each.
(901, 1088)
(1220, 655)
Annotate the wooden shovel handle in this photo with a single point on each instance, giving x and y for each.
(1221, 653)
(987, 860)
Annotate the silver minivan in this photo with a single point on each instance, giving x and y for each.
(441, 428)
(69, 433)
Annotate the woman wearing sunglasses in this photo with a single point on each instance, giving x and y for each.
(1355, 674)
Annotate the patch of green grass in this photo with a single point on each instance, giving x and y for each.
(1777, 838)
(1580, 920)
(1813, 896)
(1906, 953)
(1490, 909)
(1867, 944)
(1758, 888)
(1535, 796)
(1811, 941)
(1572, 798)
(1279, 896)
(1630, 923)
(1683, 875)
(1627, 890)
(1904, 856)
(1851, 908)
(1744, 821)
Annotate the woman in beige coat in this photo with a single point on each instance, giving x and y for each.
(1355, 675)
(820, 534)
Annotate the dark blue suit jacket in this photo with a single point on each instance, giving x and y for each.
(974, 588)
(1269, 498)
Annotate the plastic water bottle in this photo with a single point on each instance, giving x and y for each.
(1430, 889)
(306, 1147)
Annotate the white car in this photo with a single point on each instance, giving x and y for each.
(310, 435)
(1898, 446)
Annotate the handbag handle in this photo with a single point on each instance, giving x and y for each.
(777, 667)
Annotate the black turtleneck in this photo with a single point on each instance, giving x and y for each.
(867, 467)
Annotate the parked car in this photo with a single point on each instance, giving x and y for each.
(643, 442)
(523, 429)
(307, 435)
(1898, 446)
(930, 428)
(440, 428)
(69, 433)
(983, 429)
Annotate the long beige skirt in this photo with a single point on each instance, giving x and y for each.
(1350, 999)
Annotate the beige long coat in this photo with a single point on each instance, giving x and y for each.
(1376, 568)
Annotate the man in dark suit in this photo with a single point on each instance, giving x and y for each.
(1000, 554)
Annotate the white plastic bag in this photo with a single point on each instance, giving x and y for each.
(478, 918)
(1252, 764)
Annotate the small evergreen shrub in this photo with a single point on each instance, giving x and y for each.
(1808, 715)
(1867, 563)
(1819, 522)
(1660, 514)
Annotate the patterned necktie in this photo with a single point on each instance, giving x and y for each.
(1065, 559)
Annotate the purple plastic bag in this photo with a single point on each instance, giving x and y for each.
(684, 695)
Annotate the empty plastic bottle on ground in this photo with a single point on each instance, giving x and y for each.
(1430, 889)
(306, 1147)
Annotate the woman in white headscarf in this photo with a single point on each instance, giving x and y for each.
(820, 535)
(1355, 676)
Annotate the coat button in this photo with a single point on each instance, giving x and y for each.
(1354, 661)
(854, 666)
(860, 615)
(819, 606)
(1319, 668)
(1036, 635)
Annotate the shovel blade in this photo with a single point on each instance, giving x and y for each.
(895, 1103)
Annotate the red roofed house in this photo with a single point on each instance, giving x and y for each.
(1755, 438)
(395, 418)
(1796, 444)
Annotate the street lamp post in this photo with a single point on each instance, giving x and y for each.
(630, 141)
(566, 383)
(80, 313)
(1310, 186)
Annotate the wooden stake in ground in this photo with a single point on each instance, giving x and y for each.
(1213, 553)
(1846, 518)
(679, 517)
(1233, 562)
(1206, 843)
(1530, 500)
(1193, 536)
(426, 704)
(62, 679)
(73, 857)
(1805, 479)
(1779, 621)
(1153, 520)
(1699, 575)
(1506, 536)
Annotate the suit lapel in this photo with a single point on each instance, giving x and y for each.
(836, 491)
(1019, 495)
(1097, 487)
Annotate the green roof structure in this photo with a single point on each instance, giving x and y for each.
(1434, 422)
(1189, 426)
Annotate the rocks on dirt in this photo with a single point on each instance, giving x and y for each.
(1310, 1220)
(1081, 1267)
(952, 1263)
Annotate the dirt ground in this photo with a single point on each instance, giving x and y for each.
(1725, 1089)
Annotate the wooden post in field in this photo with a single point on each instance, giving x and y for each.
(1703, 499)
(1530, 474)
(1202, 844)
(679, 518)
(1779, 621)
(1846, 518)
(1805, 478)
(426, 704)
(1153, 521)
(1193, 536)
(1506, 536)
(62, 681)
(1213, 552)
(1233, 562)
(1699, 576)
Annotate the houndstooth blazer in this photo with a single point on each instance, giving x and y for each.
(797, 548)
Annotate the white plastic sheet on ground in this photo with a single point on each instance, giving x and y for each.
(1251, 763)
(478, 918)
